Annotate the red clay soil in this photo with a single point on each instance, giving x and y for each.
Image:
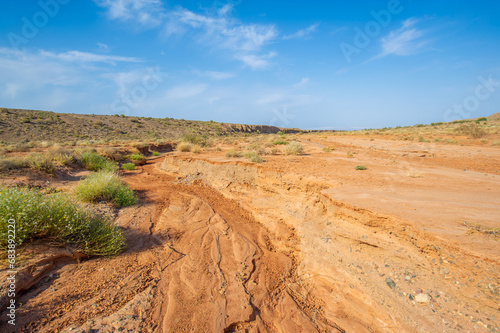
(294, 244)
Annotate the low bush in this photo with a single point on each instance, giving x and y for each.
(280, 142)
(294, 148)
(128, 166)
(105, 185)
(196, 149)
(360, 167)
(136, 157)
(11, 163)
(472, 130)
(233, 153)
(155, 153)
(111, 153)
(184, 147)
(94, 162)
(194, 139)
(56, 218)
(61, 155)
(41, 162)
(254, 157)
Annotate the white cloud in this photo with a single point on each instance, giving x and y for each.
(257, 61)
(214, 75)
(302, 82)
(224, 32)
(149, 13)
(303, 32)
(78, 56)
(103, 46)
(404, 41)
(185, 91)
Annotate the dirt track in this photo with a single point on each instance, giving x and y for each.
(296, 244)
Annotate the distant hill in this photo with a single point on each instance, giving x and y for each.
(18, 125)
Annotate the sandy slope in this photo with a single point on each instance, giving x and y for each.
(295, 244)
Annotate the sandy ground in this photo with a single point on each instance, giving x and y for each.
(294, 244)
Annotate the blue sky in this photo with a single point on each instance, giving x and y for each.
(312, 65)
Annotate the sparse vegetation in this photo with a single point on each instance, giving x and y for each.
(280, 142)
(360, 167)
(136, 157)
(105, 185)
(184, 147)
(233, 154)
(254, 157)
(472, 130)
(41, 162)
(196, 149)
(94, 162)
(56, 218)
(111, 153)
(128, 166)
(155, 153)
(11, 163)
(294, 148)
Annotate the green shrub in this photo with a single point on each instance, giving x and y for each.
(136, 157)
(105, 185)
(41, 162)
(233, 153)
(360, 167)
(254, 157)
(155, 153)
(294, 148)
(128, 166)
(184, 147)
(56, 217)
(280, 142)
(194, 139)
(478, 120)
(94, 162)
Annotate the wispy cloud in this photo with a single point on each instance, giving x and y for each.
(303, 33)
(214, 75)
(148, 13)
(224, 32)
(404, 41)
(78, 56)
(257, 61)
(302, 82)
(185, 91)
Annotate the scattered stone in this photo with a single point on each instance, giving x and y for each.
(411, 297)
(408, 278)
(391, 284)
(422, 298)
(493, 289)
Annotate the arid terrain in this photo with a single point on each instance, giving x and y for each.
(362, 232)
